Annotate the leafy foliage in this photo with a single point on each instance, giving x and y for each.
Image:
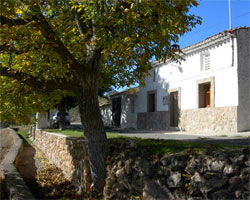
(74, 46)
(17, 107)
(47, 44)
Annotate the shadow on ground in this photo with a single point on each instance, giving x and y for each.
(27, 167)
(231, 141)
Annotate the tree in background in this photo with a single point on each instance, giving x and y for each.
(69, 102)
(65, 104)
(50, 48)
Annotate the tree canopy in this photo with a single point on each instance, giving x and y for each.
(43, 42)
(52, 48)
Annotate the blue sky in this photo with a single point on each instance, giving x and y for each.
(215, 18)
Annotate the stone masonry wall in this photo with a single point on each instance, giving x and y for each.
(153, 120)
(68, 154)
(219, 119)
(213, 174)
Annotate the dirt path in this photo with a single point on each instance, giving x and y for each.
(6, 142)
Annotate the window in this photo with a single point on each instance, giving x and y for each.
(132, 106)
(205, 95)
(205, 61)
(151, 101)
(153, 75)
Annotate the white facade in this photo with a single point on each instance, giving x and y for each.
(227, 63)
(185, 74)
(211, 88)
(124, 114)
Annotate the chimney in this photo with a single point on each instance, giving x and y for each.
(175, 47)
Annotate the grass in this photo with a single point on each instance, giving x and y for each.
(68, 132)
(156, 146)
(79, 133)
(23, 133)
(222, 136)
(239, 136)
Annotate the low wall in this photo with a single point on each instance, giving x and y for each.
(68, 154)
(131, 172)
(15, 185)
(153, 120)
(219, 119)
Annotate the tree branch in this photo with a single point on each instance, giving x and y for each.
(35, 82)
(12, 22)
(51, 37)
(10, 49)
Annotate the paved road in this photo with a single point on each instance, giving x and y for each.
(232, 139)
(241, 138)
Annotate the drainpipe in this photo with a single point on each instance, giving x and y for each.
(232, 38)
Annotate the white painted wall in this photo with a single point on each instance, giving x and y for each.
(106, 112)
(243, 61)
(128, 119)
(185, 75)
(41, 120)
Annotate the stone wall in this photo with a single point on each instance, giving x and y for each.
(132, 173)
(219, 119)
(68, 154)
(153, 120)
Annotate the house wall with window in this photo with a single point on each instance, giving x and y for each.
(208, 91)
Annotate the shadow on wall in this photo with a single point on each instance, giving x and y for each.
(106, 111)
(128, 114)
(81, 176)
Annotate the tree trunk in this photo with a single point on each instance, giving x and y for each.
(94, 135)
(62, 111)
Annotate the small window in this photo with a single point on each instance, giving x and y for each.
(205, 61)
(205, 95)
(153, 75)
(132, 105)
(152, 102)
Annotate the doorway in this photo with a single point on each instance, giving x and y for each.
(174, 109)
(116, 112)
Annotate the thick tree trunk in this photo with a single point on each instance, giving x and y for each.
(94, 135)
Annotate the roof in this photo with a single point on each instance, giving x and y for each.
(103, 101)
(214, 37)
(208, 41)
(129, 92)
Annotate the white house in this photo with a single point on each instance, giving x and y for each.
(120, 113)
(208, 91)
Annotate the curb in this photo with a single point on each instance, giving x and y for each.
(15, 185)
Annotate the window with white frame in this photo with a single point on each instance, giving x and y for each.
(205, 61)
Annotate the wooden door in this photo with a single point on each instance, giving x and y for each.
(207, 95)
(174, 109)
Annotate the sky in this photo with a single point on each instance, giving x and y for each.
(215, 18)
